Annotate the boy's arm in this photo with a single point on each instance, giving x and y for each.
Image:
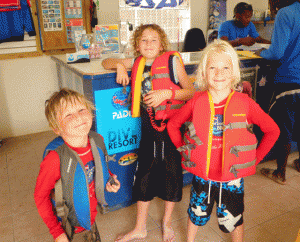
(156, 97)
(268, 127)
(188, 88)
(177, 120)
(48, 175)
(261, 40)
(121, 65)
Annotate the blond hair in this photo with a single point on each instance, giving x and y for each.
(217, 46)
(137, 35)
(54, 105)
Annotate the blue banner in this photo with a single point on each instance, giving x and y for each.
(120, 131)
(156, 4)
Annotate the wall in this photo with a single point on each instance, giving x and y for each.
(27, 83)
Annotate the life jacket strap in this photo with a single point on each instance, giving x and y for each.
(236, 149)
(62, 210)
(237, 125)
(234, 168)
(192, 134)
(187, 158)
(163, 107)
(158, 76)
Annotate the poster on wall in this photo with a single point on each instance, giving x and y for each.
(73, 25)
(108, 38)
(51, 14)
(217, 15)
(73, 9)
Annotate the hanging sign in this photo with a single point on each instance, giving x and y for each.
(154, 4)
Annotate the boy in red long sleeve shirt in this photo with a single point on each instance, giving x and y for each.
(70, 116)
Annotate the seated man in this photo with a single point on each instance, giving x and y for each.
(240, 31)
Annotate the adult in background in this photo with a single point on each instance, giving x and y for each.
(240, 30)
(285, 48)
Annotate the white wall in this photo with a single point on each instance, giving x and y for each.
(27, 83)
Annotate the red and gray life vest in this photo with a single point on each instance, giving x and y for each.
(162, 76)
(239, 142)
(74, 190)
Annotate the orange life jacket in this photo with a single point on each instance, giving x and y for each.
(239, 142)
(162, 78)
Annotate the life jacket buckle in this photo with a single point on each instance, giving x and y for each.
(189, 164)
(227, 126)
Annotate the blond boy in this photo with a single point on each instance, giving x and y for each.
(75, 156)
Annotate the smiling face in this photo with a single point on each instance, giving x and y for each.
(74, 119)
(219, 72)
(150, 44)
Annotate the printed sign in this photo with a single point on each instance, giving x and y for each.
(51, 13)
(107, 36)
(73, 25)
(73, 9)
(156, 4)
(217, 13)
(121, 132)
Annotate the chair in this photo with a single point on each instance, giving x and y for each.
(194, 40)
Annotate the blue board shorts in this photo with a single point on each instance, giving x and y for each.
(229, 197)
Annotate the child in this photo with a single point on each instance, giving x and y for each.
(70, 116)
(159, 172)
(223, 147)
(241, 31)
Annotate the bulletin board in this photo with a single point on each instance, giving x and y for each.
(58, 19)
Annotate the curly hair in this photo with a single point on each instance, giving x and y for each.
(217, 46)
(137, 35)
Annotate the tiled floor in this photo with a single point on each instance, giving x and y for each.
(272, 211)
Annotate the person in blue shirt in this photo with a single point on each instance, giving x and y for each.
(240, 30)
(285, 51)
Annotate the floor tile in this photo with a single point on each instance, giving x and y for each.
(259, 208)
(22, 201)
(6, 229)
(5, 199)
(294, 182)
(46, 237)
(28, 224)
(119, 222)
(284, 227)
(286, 197)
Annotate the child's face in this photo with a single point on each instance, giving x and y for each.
(244, 17)
(219, 72)
(75, 120)
(150, 45)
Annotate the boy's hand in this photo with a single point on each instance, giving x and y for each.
(62, 238)
(113, 188)
(155, 98)
(122, 75)
(248, 41)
